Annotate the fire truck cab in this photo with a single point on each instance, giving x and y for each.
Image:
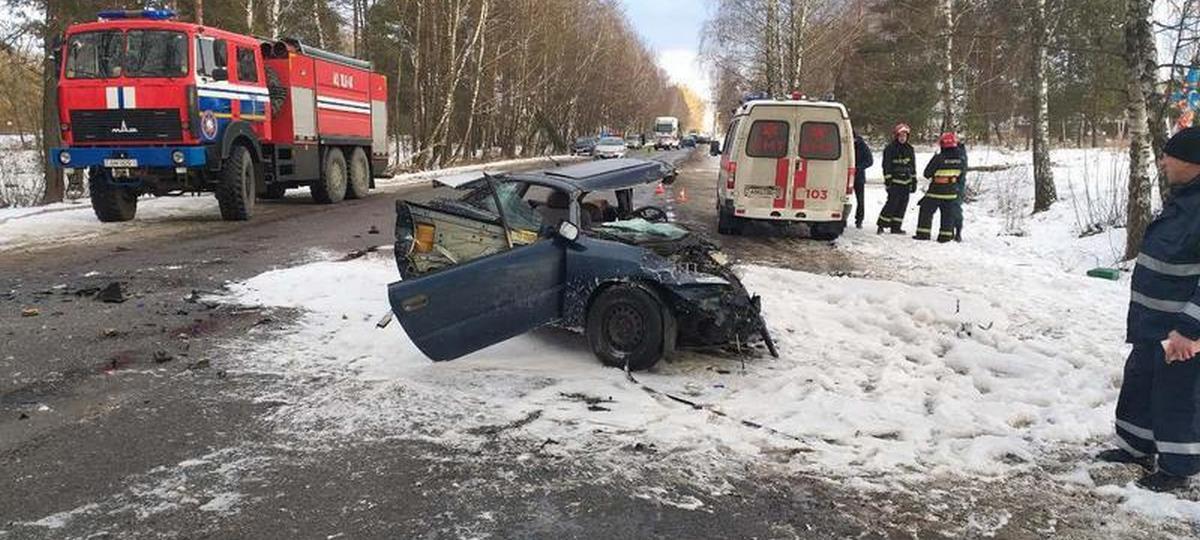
(150, 105)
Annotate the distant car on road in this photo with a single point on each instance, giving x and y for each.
(583, 146)
(633, 142)
(609, 147)
(502, 255)
(688, 142)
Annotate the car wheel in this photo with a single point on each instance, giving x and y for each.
(331, 188)
(110, 203)
(235, 193)
(625, 327)
(360, 175)
(728, 223)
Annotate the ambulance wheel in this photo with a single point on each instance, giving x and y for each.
(625, 326)
(360, 175)
(728, 223)
(111, 203)
(236, 190)
(331, 188)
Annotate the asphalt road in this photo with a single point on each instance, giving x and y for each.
(100, 403)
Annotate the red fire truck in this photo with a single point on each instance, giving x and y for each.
(150, 105)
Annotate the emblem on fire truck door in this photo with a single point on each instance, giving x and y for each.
(208, 125)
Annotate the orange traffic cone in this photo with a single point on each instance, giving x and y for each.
(682, 195)
(659, 190)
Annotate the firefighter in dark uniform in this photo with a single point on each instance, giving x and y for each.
(944, 172)
(900, 179)
(1158, 411)
(862, 161)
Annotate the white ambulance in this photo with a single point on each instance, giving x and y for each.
(787, 161)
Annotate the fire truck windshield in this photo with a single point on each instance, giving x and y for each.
(138, 53)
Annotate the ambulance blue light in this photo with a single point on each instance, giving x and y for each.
(153, 14)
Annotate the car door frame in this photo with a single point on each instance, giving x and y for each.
(461, 309)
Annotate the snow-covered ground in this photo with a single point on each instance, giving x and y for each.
(986, 359)
(30, 226)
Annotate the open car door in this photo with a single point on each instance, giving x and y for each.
(461, 309)
(472, 282)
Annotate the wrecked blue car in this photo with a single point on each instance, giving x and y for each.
(490, 257)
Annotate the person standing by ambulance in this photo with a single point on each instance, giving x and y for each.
(899, 178)
(862, 161)
(1158, 410)
(944, 172)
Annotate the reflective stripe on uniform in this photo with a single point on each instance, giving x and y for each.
(947, 172)
(1170, 269)
(1178, 448)
(1169, 306)
(1128, 447)
(942, 196)
(1136, 430)
(926, 231)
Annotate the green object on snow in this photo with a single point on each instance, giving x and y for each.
(1106, 273)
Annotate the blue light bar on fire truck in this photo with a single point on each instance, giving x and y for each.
(153, 14)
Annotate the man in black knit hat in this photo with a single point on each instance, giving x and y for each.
(1158, 411)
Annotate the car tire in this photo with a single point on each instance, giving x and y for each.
(110, 203)
(727, 223)
(359, 175)
(625, 326)
(236, 190)
(331, 188)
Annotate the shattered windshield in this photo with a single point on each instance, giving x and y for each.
(639, 230)
(94, 55)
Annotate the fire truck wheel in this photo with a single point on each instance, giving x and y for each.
(111, 203)
(235, 193)
(360, 175)
(331, 187)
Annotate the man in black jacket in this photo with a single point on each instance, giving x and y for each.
(944, 172)
(862, 160)
(900, 179)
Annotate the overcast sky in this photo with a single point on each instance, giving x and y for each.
(672, 29)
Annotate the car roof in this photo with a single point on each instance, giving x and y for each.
(602, 175)
(589, 176)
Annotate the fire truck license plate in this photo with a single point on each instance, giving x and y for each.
(760, 191)
(120, 163)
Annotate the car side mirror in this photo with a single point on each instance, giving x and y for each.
(220, 74)
(714, 148)
(568, 231)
